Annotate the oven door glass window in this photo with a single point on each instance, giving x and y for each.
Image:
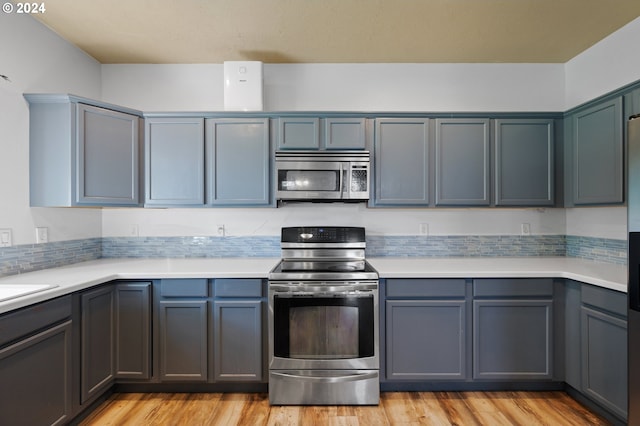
(323, 327)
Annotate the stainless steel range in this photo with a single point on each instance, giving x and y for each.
(323, 320)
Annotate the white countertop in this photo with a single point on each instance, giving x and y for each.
(71, 278)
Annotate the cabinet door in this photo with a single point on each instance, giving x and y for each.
(463, 162)
(183, 340)
(238, 162)
(435, 350)
(344, 133)
(512, 339)
(524, 162)
(402, 161)
(97, 342)
(238, 359)
(298, 133)
(174, 161)
(598, 154)
(604, 359)
(36, 379)
(107, 157)
(133, 330)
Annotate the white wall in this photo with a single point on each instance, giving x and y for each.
(345, 87)
(37, 60)
(610, 64)
(248, 222)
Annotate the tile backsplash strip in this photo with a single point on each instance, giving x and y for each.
(599, 249)
(32, 257)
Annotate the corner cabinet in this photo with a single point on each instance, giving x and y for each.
(402, 155)
(174, 162)
(238, 162)
(82, 153)
(596, 136)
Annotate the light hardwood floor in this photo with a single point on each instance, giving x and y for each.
(396, 408)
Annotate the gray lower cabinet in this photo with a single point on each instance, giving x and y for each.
(524, 162)
(133, 330)
(597, 153)
(174, 161)
(82, 154)
(238, 311)
(513, 329)
(97, 341)
(238, 161)
(402, 155)
(604, 348)
(463, 168)
(36, 364)
(183, 330)
(425, 325)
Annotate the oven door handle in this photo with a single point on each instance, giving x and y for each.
(333, 379)
(339, 289)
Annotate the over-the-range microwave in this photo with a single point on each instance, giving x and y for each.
(322, 175)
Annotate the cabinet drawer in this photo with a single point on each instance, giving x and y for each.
(32, 318)
(234, 287)
(184, 288)
(513, 287)
(431, 288)
(609, 300)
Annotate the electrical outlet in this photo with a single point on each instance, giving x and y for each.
(6, 240)
(134, 231)
(424, 229)
(221, 230)
(42, 235)
(525, 229)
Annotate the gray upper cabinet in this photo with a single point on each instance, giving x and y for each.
(238, 161)
(82, 154)
(597, 158)
(298, 133)
(524, 151)
(463, 171)
(174, 162)
(401, 161)
(344, 133)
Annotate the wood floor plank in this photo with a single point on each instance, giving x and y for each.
(396, 408)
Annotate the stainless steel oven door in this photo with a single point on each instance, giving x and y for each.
(323, 325)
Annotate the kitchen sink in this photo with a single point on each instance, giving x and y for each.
(11, 291)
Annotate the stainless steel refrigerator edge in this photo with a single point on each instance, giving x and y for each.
(633, 291)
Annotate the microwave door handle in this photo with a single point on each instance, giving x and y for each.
(341, 180)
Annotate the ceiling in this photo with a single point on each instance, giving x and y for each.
(336, 31)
